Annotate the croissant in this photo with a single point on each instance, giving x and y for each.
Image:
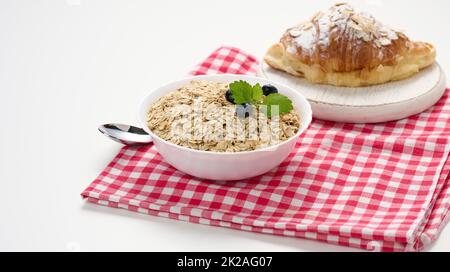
(344, 47)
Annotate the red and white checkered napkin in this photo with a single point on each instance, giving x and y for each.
(375, 187)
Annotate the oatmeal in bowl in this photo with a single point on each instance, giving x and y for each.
(203, 115)
(225, 127)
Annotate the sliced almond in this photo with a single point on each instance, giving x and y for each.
(354, 26)
(347, 11)
(308, 27)
(295, 32)
(385, 41)
(377, 43)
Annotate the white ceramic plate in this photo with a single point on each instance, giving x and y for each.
(380, 103)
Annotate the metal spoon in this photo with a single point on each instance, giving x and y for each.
(125, 134)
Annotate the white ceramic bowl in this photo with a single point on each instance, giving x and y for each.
(220, 165)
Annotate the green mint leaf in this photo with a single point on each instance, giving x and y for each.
(283, 102)
(257, 93)
(242, 92)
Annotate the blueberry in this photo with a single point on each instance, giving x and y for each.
(269, 89)
(244, 110)
(229, 96)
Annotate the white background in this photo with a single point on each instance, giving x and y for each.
(66, 66)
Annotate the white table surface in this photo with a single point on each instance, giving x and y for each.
(66, 66)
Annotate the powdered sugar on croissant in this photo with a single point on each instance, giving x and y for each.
(344, 47)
